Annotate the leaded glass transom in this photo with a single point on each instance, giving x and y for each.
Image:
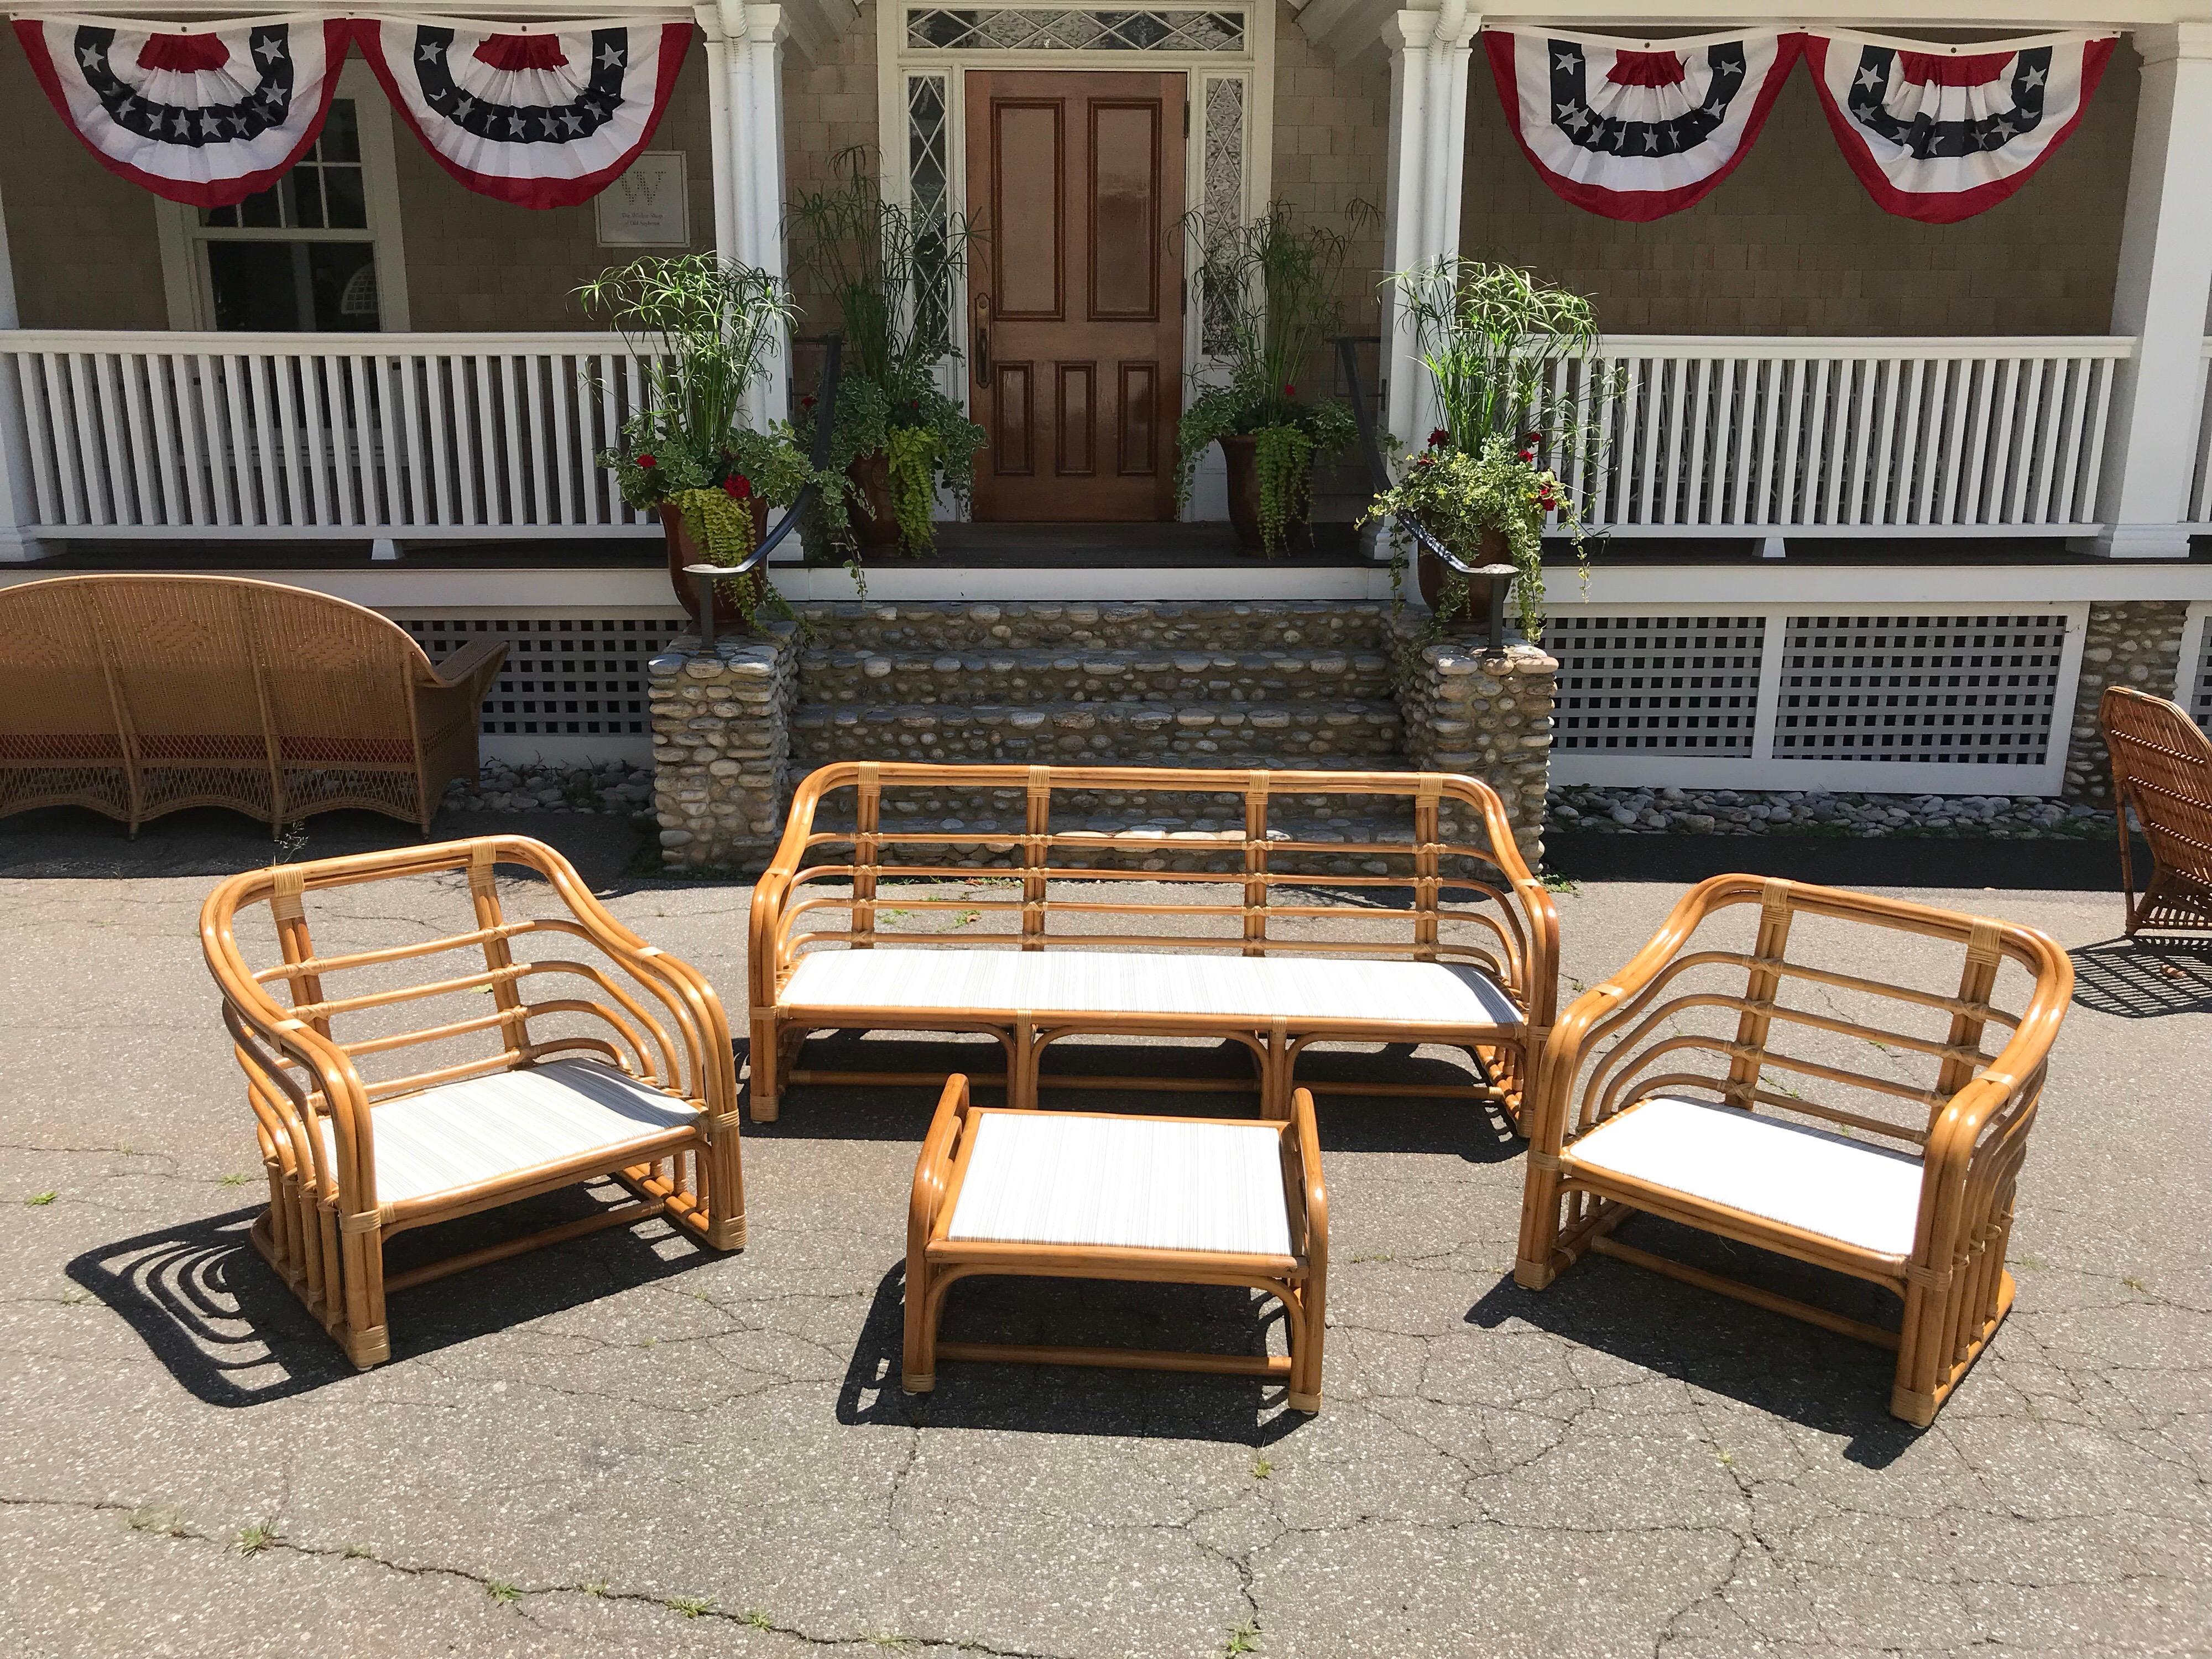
(1013, 29)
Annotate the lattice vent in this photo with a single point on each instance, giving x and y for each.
(566, 676)
(1684, 684)
(2200, 702)
(1964, 691)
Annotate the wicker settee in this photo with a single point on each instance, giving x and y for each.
(138, 694)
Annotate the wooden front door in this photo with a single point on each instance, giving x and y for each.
(1075, 293)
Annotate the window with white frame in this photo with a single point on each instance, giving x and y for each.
(319, 251)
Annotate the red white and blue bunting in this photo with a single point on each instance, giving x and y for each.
(206, 113)
(1637, 129)
(543, 116)
(1941, 133)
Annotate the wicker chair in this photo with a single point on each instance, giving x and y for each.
(638, 1084)
(2162, 770)
(1646, 1101)
(136, 695)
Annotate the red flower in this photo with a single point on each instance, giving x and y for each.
(1530, 440)
(1528, 454)
(737, 487)
(1289, 391)
(807, 402)
(1439, 438)
(1425, 460)
(647, 462)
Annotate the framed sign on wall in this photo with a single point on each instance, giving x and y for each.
(649, 206)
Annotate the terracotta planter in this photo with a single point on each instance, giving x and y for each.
(1433, 573)
(874, 523)
(683, 550)
(1244, 499)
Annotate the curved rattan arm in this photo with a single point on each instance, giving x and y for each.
(1307, 1138)
(934, 1170)
(774, 887)
(475, 665)
(1540, 912)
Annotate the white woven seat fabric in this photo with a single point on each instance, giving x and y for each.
(1066, 1178)
(462, 1134)
(1448, 996)
(1856, 1194)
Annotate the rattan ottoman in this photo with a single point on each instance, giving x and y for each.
(1092, 1195)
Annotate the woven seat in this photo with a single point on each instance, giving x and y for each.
(624, 1072)
(1865, 1196)
(528, 1124)
(1132, 1183)
(1150, 1200)
(1073, 983)
(1678, 1086)
(140, 694)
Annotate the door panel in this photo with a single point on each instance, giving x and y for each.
(1075, 349)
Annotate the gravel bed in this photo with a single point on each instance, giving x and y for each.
(1817, 812)
(611, 787)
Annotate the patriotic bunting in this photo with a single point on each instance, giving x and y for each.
(1630, 131)
(546, 117)
(1939, 134)
(207, 114)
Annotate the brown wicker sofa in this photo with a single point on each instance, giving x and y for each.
(140, 694)
(1453, 941)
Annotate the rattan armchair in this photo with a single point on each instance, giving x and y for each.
(141, 695)
(1682, 1087)
(2162, 771)
(632, 1078)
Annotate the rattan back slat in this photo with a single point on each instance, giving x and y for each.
(140, 694)
(2162, 772)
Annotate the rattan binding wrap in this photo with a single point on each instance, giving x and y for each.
(141, 695)
(2162, 771)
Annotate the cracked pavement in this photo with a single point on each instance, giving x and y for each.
(626, 1444)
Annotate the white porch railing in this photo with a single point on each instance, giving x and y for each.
(310, 435)
(2200, 488)
(1838, 436)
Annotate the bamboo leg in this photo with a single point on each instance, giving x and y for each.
(767, 1092)
(1536, 1266)
(920, 1348)
(367, 1340)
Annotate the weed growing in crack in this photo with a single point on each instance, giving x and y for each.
(756, 1618)
(1373, 1255)
(254, 1539)
(1243, 1638)
(233, 1179)
(1556, 883)
(40, 1201)
(359, 1552)
(1727, 1457)
(76, 1296)
(160, 1520)
(593, 1587)
(1262, 1469)
(2135, 1284)
(690, 1606)
(884, 1639)
(502, 1592)
(2030, 1264)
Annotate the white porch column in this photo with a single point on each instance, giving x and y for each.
(753, 37)
(17, 505)
(1429, 53)
(720, 157)
(2165, 284)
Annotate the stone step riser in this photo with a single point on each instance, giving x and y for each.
(1222, 626)
(1035, 677)
(1099, 734)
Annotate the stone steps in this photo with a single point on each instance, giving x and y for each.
(1033, 676)
(1098, 734)
(911, 627)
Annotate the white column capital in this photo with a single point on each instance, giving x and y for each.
(1449, 28)
(2162, 43)
(763, 25)
(707, 13)
(1409, 31)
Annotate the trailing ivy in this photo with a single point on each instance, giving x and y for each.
(720, 521)
(1282, 456)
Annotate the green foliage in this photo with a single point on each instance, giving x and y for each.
(721, 525)
(1282, 458)
(696, 329)
(889, 272)
(1489, 336)
(690, 1606)
(38, 1201)
(1268, 293)
(501, 1591)
(1456, 494)
(253, 1540)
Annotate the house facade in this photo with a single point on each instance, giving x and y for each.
(1848, 446)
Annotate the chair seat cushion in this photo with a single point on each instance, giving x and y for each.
(485, 1128)
(1448, 996)
(1863, 1195)
(1136, 1183)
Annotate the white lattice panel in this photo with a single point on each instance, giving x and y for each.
(1965, 691)
(1672, 685)
(574, 686)
(2197, 666)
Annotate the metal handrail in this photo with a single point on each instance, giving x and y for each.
(833, 350)
(1498, 575)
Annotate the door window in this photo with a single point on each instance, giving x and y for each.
(300, 255)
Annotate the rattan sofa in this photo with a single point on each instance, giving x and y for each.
(141, 695)
(1727, 1080)
(372, 1125)
(1458, 941)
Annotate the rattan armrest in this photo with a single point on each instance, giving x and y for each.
(475, 665)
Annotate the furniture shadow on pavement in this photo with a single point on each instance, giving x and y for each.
(232, 1333)
(1829, 1383)
(1349, 1120)
(1076, 1400)
(2144, 979)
